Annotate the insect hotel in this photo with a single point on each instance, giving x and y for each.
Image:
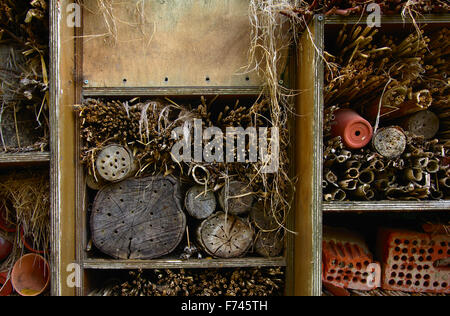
(224, 148)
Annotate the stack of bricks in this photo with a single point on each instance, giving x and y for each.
(347, 262)
(414, 262)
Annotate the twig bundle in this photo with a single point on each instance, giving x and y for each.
(238, 282)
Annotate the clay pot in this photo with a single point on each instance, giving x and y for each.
(356, 132)
(4, 225)
(28, 244)
(5, 248)
(30, 275)
(6, 288)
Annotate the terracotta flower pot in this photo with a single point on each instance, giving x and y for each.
(6, 288)
(27, 244)
(5, 248)
(4, 225)
(356, 132)
(30, 275)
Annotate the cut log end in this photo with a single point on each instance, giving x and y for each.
(114, 163)
(138, 218)
(224, 236)
(199, 203)
(269, 244)
(390, 142)
(238, 197)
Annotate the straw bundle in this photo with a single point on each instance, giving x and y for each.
(26, 200)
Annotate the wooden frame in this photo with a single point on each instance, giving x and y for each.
(70, 199)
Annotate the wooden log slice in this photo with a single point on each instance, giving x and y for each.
(138, 218)
(262, 217)
(239, 197)
(224, 236)
(114, 163)
(269, 244)
(390, 142)
(199, 204)
(423, 123)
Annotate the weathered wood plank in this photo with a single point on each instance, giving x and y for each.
(167, 44)
(189, 264)
(7, 159)
(387, 206)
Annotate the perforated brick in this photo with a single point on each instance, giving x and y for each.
(413, 261)
(347, 262)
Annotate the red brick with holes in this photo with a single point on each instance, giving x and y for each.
(413, 261)
(347, 262)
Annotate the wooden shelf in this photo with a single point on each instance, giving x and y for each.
(9, 159)
(386, 206)
(178, 264)
(170, 91)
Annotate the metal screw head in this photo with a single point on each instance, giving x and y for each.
(320, 18)
(86, 82)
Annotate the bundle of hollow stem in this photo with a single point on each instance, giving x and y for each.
(225, 282)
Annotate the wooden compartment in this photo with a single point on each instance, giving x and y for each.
(96, 260)
(310, 104)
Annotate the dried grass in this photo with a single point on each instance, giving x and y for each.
(26, 200)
